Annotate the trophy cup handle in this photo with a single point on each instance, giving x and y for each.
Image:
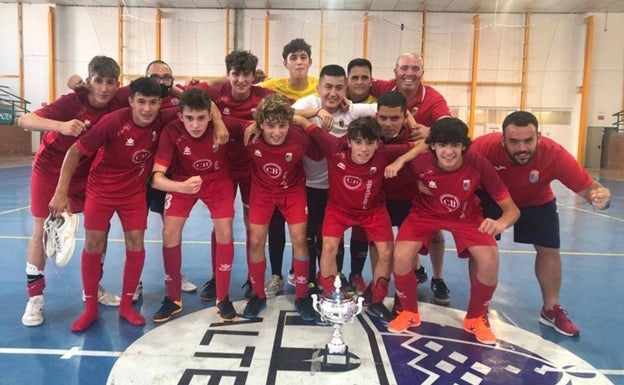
(316, 304)
(360, 303)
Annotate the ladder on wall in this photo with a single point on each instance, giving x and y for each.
(11, 106)
(619, 121)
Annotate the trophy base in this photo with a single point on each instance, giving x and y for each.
(336, 357)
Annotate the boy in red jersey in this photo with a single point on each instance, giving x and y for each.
(116, 183)
(528, 162)
(278, 182)
(356, 166)
(238, 97)
(190, 166)
(448, 176)
(63, 121)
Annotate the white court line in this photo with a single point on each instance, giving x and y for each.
(238, 243)
(14, 210)
(592, 211)
(76, 351)
(63, 353)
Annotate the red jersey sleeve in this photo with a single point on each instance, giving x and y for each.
(380, 87)
(328, 143)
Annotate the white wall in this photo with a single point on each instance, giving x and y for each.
(193, 42)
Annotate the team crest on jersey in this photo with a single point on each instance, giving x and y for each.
(341, 166)
(466, 184)
(432, 184)
(273, 170)
(226, 111)
(202, 164)
(373, 170)
(288, 156)
(352, 182)
(175, 101)
(141, 156)
(186, 151)
(130, 142)
(258, 153)
(280, 348)
(450, 201)
(534, 176)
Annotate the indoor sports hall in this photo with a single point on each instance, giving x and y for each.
(561, 59)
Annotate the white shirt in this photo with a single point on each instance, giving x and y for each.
(316, 172)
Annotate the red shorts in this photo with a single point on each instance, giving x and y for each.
(132, 214)
(241, 179)
(42, 189)
(376, 223)
(465, 232)
(217, 195)
(293, 206)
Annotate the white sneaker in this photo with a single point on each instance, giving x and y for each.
(138, 293)
(59, 239)
(188, 286)
(49, 244)
(274, 285)
(33, 315)
(105, 297)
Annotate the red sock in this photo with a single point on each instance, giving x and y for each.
(302, 268)
(480, 296)
(247, 244)
(132, 273)
(327, 283)
(407, 291)
(172, 260)
(379, 290)
(213, 252)
(225, 258)
(36, 286)
(256, 275)
(90, 268)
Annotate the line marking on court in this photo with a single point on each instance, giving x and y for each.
(593, 212)
(76, 351)
(63, 353)
(14, 210)
(238, 243)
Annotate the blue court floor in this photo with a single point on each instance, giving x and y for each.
(592, 291)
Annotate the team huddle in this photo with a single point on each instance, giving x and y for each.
(318, 155)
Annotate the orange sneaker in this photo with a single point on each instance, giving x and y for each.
(405, 320)
(480, 327)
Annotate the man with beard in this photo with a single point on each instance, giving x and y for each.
(527, 162)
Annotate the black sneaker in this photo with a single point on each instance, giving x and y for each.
(378, 310)
(248, 290)
(254, 306)
(209, 291)
(397, 308)
(305, 309)
(168, 309)
(421, 274)
(313, 288)
(345, 286)
(367, 295)
(440, 292)
(226, 309)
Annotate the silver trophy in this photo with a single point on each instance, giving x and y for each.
(338, 310)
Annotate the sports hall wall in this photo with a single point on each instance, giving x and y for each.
(195, 41)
